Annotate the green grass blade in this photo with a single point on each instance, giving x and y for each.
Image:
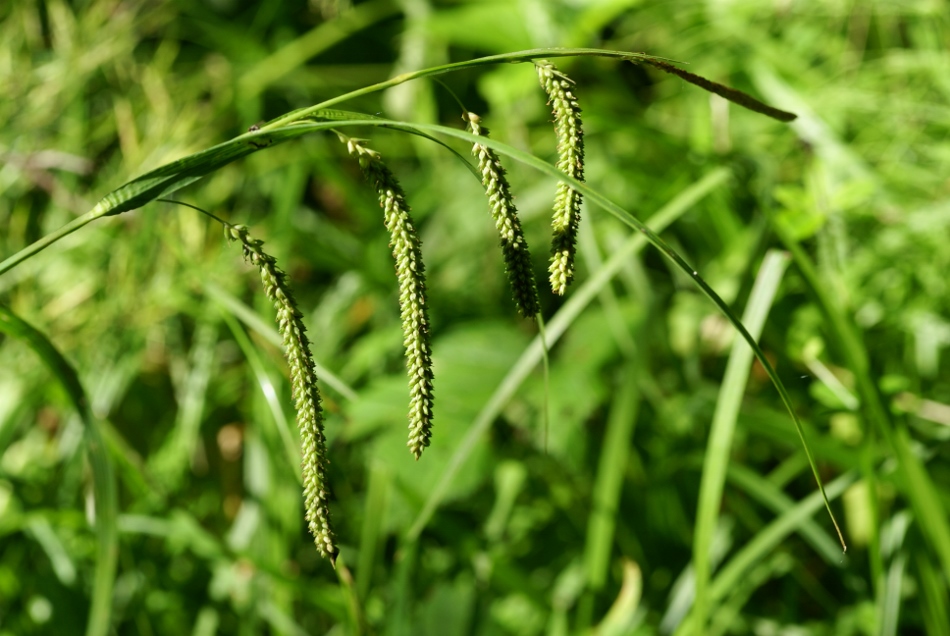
(555, 329)
(622, 616)
(103, 478)
(773, 534)
(170, 462)
(893, 591)
(62, 563)
(719, 447)
(374, 526)
(610, 472)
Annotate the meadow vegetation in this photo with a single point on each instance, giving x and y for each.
(621, 465)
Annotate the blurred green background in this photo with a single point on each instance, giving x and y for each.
(584, 525)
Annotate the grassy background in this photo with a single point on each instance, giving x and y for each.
(590, 524)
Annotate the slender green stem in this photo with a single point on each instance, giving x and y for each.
(49, 239)
(512, 58)
(195, 207)
(546, 403)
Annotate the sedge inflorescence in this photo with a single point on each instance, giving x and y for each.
(513, 245)
(570, 148)
(303, 382)
(413, 302)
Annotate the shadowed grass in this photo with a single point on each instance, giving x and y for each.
(103, 477)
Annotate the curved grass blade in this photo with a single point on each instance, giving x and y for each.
(611, 469)
(766, 493)
(103, 478)
(747, 101)
(182, 172)
(719, 446)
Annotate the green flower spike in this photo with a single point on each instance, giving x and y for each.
(303, 383)
(570, 148)
(410, 272)
(503, 211)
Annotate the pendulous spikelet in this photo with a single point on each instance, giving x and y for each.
(303, 382)
(413, 303)
(503, 211)
(570, 148)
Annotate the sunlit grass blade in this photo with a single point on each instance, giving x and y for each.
(170, 462)
(556, 327)
(893, 592)
(719, 446)
(63, 565)
(621, 618)
(103, 478)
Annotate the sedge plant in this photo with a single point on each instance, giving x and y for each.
(565, 98)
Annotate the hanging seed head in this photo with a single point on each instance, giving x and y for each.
(303, 383)
(413, 303)
(513, 245)
(570, 149)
